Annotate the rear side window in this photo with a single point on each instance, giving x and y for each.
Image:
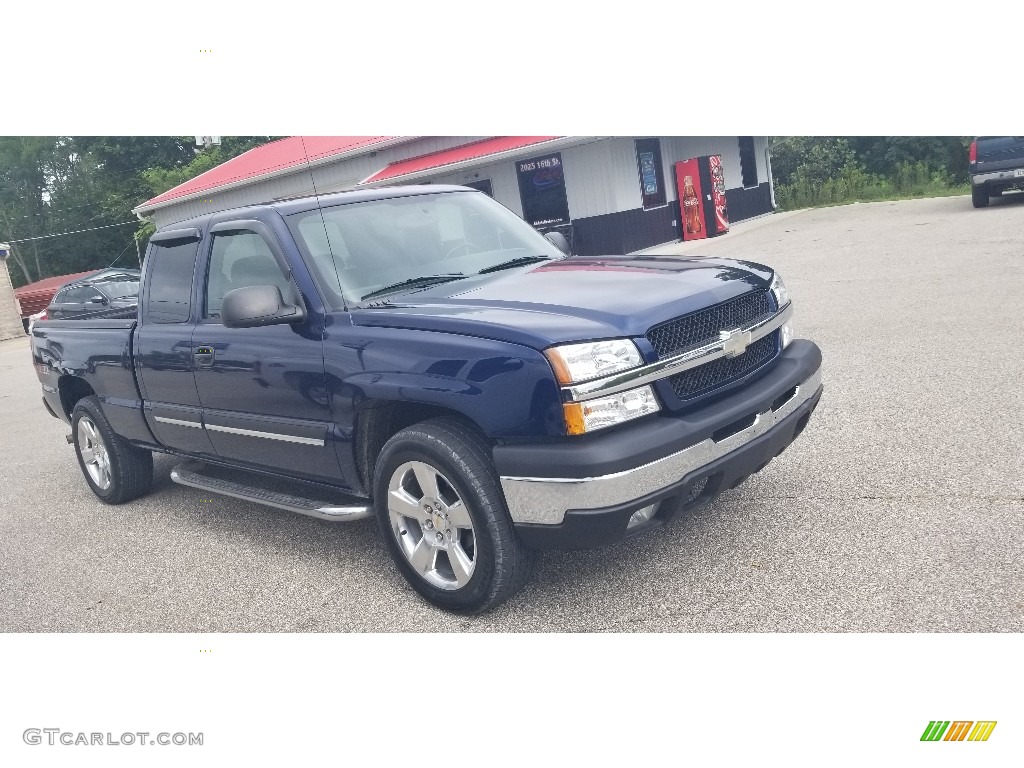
(169, 291)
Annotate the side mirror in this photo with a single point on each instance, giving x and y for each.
(258, 305)
(558, 240)
(99, 300)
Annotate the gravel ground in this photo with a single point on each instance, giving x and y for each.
(900, 508)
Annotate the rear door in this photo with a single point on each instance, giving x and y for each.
(163, 343)
(262, 389)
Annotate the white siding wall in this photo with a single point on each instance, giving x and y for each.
(676, 148)
(601, 175)
(331, 177)
(504, 182)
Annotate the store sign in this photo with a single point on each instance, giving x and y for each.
(542, 189)
(652, 182)
(648, 174)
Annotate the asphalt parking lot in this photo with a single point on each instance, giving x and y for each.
(900, 508)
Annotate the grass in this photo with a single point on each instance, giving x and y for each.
(910, 180)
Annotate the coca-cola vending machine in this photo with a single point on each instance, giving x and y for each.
(702, 203)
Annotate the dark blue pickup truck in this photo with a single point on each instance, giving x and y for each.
(422, 355)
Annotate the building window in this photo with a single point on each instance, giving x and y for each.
(652, 181)
(748, 162)
(484, 185)
(542, 189)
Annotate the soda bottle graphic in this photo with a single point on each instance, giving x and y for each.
(691, 204)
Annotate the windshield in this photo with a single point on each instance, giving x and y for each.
(114, 289)
(364, 248)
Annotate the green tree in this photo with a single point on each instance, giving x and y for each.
(88, 186)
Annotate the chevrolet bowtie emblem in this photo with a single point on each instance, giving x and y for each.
(734, 343)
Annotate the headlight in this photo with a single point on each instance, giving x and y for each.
(601, 412)
(574, 363)
(778, 289)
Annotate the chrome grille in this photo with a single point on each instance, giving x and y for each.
(718, 373)
(702, 327)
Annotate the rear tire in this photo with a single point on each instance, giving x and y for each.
(443, 517)
(979, 197)
(115, 470)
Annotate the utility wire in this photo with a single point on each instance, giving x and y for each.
(130, 243)
(76, 232)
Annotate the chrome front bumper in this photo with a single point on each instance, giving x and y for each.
(545, 500)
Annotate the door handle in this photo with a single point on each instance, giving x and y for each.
(203, 356)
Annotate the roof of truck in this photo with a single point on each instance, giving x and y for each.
(312, 202)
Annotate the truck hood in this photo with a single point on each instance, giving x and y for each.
(574, 299)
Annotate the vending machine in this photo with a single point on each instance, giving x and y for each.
(702, 203)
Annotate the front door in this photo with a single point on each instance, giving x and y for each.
(262, 389)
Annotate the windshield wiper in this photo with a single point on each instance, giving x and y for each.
(413, 282)
(513, 263)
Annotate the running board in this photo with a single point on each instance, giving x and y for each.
(190, 474)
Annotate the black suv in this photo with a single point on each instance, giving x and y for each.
(107, 293)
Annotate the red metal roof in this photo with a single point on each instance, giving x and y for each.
(268, 158)
(435, 160)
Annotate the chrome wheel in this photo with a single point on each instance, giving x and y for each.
(95, 457)
(432, 525)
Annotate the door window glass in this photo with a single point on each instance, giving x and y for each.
(748, 165)
(89, 294)
(171, 266)
(239, 260)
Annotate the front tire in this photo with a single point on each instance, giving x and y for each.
(979, 197)
(444, 519)
(115, 469)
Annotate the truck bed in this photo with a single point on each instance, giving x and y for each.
(98, 351)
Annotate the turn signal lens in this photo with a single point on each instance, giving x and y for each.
(574, 423)
(592, 415)
(787, 334)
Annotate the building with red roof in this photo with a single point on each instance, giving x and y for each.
(608, 194)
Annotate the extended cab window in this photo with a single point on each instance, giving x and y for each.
(239, 260)
(169, 293)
